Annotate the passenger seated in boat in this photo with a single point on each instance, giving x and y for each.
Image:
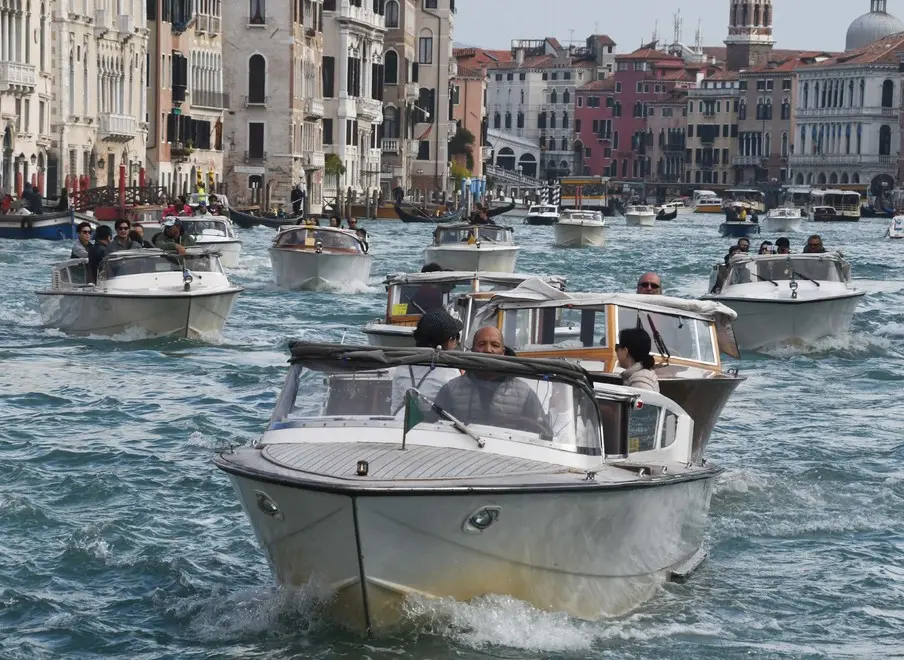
(492, 400)
(122, 241)
(82, 242)
(814, 245)
(783, 246)
(633, 352)
(439, 330)
(732, 251)
(744, 245)
(649, 284)
(98, 251)
(742, 215)
(765, 247)
(173, 237)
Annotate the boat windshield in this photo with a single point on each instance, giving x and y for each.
(160, 263)
(422, 297)
(787, 268)
(530, 409)
(310, 237)
(682, 336)
(551, 328)
(542, 209)
(206, 227)
(458, 235)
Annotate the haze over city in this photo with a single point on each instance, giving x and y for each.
(494, 23)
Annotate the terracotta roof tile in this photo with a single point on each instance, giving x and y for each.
(606, 84)
(647, 54)
(603, 39)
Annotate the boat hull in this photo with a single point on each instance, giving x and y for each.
(778, 225)
(229, 250)
(708, 208)
(766, 322)
(541, 220)
(497, 259)
(157, 315)
(574, 235)
(640, 219)
(304, 270)
(47, 226)
(598, 552)
(739, 229)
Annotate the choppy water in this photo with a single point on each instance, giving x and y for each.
(119, 538)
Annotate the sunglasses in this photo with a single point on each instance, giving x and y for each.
(649, 285)
(123, 228)
(85, 231)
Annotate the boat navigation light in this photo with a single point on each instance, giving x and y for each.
(481, 519)
(362, 468)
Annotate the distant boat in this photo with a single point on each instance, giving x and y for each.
(248, 220)
(55, 226)
(542, 214)
(419, 215)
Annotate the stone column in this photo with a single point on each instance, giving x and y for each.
(342, 64)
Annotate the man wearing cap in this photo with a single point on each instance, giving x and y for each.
(173, 237)
(437, 329)
(783, 246)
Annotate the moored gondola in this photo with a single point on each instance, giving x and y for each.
(248, 220)
(499, 210)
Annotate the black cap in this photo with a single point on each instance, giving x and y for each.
(435, 328)
(783, 242)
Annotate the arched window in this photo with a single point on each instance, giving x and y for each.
(497, 120)
(833, 178)
(638, 109)
(767, 18)
(635, 169)
(756, 15)
(799, 179)
(888, 94)
(553, 97)
(391, 67)
(564, 120)
(615, 141)
(390, 122)
(564, 144)
(855, 178)
(885, 140)
(552, 120)
(844, 178)
(520, 123)
(508, 119)
(566, 97)
(807, 94)
(392, 14)
(257, 79)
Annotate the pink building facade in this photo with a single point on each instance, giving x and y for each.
(593, 126)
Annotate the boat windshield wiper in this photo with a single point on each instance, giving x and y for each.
(804, 277)
(660, 342)
(765, 279)
(457, 424)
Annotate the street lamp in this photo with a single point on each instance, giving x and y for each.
(33, 160)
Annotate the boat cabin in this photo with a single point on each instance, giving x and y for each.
(456, 234)
(847, 203)
(411, 295)
(543, 209)
(319, 239)
(750, 198)
(797, 197)
(824, 214)
(586, 327)
(152, 262)
(574, 414)
(774, 268)
(208, 227)
(578, 216)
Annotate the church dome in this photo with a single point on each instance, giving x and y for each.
(870, 28)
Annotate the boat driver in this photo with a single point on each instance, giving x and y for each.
(483, 397)
(173, 237)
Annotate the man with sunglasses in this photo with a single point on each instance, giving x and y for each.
(122, 241)
(649, 284)
(814, 245)
(83, 242)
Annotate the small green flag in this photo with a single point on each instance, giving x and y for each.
(413, 413)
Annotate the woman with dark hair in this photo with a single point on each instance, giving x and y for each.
(765, 247)
(633, 352)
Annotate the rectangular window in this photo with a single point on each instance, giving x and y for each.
(423, 150)
(256, 140)
(41, 111)
(725, 156)
(618, 88)
(425, 50)
(498, 77)
(639, 87)
(786, 85)
(522, 76)
(725, 130)
(510, 76)
(690, 130)
(327, 131)
(456, 94)
(580, 101)
(587, 152)
(577, 125)
(430, 4)
(622, 66)
(555, 75)
(596, 125)
(329, 77)
(770, 85)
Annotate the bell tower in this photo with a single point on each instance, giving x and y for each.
(749, 41)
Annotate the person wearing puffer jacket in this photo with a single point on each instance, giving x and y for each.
(633, 352)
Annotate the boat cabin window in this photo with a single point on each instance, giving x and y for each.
(421, 297)
(457, 235)
(763, 270)
(523, 408)
(306, 237)
(552, 328)
(160, 263)
(206, 227)
(683, 337)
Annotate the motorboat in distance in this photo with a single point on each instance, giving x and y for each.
(411, 295)
(472, 247)
(215, 232)
(782, 220)
(542, 214)
(582, 499)
(51, 226)
(668, 211)
(640, 215)
(319, 258)
(577, 229)
(160, 294)
(782, 298)
(896, 228)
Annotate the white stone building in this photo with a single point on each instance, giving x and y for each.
(847, 117)
(273, 132)
(186, 97)
(353, 75)
(26, 76)
(99, 108)
(417, 68)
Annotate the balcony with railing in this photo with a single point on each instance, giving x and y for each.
(314, 160)
(207, 24)
(313, 107)
(843, 159)
(117, 128)
(363, 15)
(201, 98)
(391, 145)
(369, 109)
(820, 113)
(17, 77)
(748, 161)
